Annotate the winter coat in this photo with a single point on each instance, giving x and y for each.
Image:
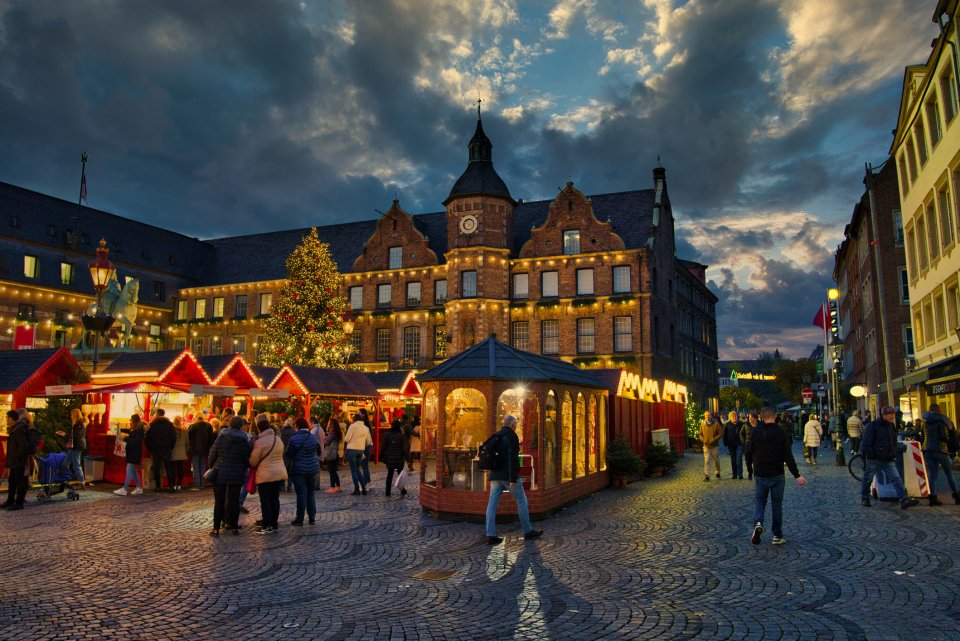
(745, 434)
(302, 453)
(179, 452)
(731, 434)
(134, 447)
(267, 457)
(358, 436)
(510, 443)
(331, 446)
(199, 439)
(395, 451)
(78, 434)
(161, 437)
(230, 454)
(18, 445)
(934, 432)
(710, 433)
(854, 427)
(769, 449)
(812, 433)
(880, 441)
(286, 432)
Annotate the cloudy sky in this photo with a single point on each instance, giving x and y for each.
(222, 117)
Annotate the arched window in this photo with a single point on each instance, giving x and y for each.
(592, 436)
(580, 436)
(551, 437)
(566, 456)
(428, 438)
(465, 428)
(523, 405)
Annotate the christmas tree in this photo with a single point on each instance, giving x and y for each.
(305, 326)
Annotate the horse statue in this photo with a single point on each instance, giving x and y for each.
(121, 303)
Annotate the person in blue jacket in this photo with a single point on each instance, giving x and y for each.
(302, 456)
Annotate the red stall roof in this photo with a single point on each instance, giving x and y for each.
(319, 381)
(27, 372)
(173, 366)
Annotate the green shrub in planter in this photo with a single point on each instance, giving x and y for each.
(622, 460)
(660, 455)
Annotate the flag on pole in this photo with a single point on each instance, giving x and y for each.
(821, 320)
(83, 186)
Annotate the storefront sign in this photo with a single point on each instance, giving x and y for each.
(946, 387)
(213, 390)
(269, 393)
(749, 376)
(646, 389)
(58, 390)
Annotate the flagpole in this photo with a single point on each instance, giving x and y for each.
(83, 179)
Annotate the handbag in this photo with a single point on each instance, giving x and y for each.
(252, 481)
(210, 475)
(401, 479)
(120, 448)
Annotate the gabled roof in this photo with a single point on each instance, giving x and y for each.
(321, 381)
(491, 359)
(168, 366)
(395, 382)
(33, 369)
(214, 364)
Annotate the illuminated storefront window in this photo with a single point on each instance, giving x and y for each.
(566, 461)
(524, 406)
(580, 436)
(428, 438)
(465, 429)
(551, 437)
(592, 435)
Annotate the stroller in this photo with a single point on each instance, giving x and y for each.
(54, 477)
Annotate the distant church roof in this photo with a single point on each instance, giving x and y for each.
(479, 177)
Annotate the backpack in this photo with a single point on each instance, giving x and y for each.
(491, 454)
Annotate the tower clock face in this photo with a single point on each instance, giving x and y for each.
(468, 224)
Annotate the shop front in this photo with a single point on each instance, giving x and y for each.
(400, 395)
(561, 413)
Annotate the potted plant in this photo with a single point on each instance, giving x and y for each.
(660, 458)
(623, 463)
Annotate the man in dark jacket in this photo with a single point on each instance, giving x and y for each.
(18, 456)
(770, 449)
(746, 425)
(160, 439)
(301, 455)
(731, 440)
(507, 478)
(199, 440)
(879, 448)
(936, 454)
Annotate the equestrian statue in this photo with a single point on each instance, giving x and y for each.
(121, 303)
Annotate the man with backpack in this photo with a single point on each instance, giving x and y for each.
(505, 448)
(879, 448)
(937, 439)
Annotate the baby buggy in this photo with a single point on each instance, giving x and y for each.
(54, 476)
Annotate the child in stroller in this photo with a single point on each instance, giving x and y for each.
(54, 477)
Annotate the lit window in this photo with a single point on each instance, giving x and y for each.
(30, 267)
(396, 258)
(356, 297)
(200, 310)
(584, 282)
(182, 309)
(550, 337)
(571, 242)
(586, 332)
(384, 295)
(66, 273)
(521, 287)
(218, 307)
(440, 341)
(520, 335)
(621, 279)
(239, 344)
(622, 334)
(549, 285)
(266, 302)
(469, 284)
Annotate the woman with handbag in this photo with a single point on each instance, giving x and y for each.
(331, 453)
(271, 473)
(133, 448)
(226, 469)
(76, 443)
(394, 454)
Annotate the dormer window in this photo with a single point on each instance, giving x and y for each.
(395, 258)
(571, 242)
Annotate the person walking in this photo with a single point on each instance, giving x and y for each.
(710, 434)
(507, 478)
(76, 443)
(365, 461)
(134, 456)
(753, 419)
(731, 439)
(302, 455)
(316, 428)
(18, 458)
(357, 440)
(411, 434)
(179, 453)
(228, 459)
(331, 453)
(854, 431)
(199, 440)
(770, 448)
(160, 439)
(936, 453)
(286, 432)
(879, 449)
(812, 435)
(394, 453)
(267, 461)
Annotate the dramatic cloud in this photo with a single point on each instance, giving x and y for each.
(220, 117)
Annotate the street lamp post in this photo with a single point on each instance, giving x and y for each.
(102, 272)
(836, 351)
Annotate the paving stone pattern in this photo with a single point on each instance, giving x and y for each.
(662, 559)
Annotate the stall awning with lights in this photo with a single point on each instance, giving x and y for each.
(173, 367)
(233, 370)
(493, 360)
(318, 381)
(396, 383)
(28, 372)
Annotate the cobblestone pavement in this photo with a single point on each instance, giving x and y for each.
(662, 559)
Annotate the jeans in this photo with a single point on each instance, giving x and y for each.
(179, 471)
(749, 461)
(711, 457)
(496, 489)
(889, 469)
(162, 462)
(365, 464)
(306, 487)
(332, 469)
(199, 468)
(353, 457)
(736, 461)
(226, 505)
(935, 461)
(390, 472)
(772, 486)
(854, 444)
(813, 453)
(76, 470)
(132, 475)
(270, 502)
(243, 487)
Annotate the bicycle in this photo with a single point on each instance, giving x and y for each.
(857, 466)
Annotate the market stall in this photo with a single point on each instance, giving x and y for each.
(249, 381)
(400, 394)
(561, 413)
(642, 408)
(26, 375)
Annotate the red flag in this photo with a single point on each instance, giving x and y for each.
(83, 187)
(821, 320)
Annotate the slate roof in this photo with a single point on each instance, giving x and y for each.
(334, 382)
(479, 177)
(17, 366)
(266, 374)
(213, 364)
(143, 361)
(491, 359)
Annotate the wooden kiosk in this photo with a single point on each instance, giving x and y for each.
(561, 413)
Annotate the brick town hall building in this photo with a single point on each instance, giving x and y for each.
(591, 280)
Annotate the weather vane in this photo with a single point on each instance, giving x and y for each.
(479, 100)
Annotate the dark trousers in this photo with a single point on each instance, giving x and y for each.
(749, 461)
(332, 469)
(270, 502)
(179, 471)
(226, 505)
(390, 471)
(306, 488)
(165, 462)
(17, 489)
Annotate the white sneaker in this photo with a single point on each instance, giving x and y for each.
(137, 491)
(120, 491)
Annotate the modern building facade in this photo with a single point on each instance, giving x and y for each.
(592, 280)
(926, 148)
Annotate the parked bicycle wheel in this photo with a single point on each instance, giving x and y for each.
(857, 466)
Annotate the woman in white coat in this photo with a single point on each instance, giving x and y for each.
(812, 434)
